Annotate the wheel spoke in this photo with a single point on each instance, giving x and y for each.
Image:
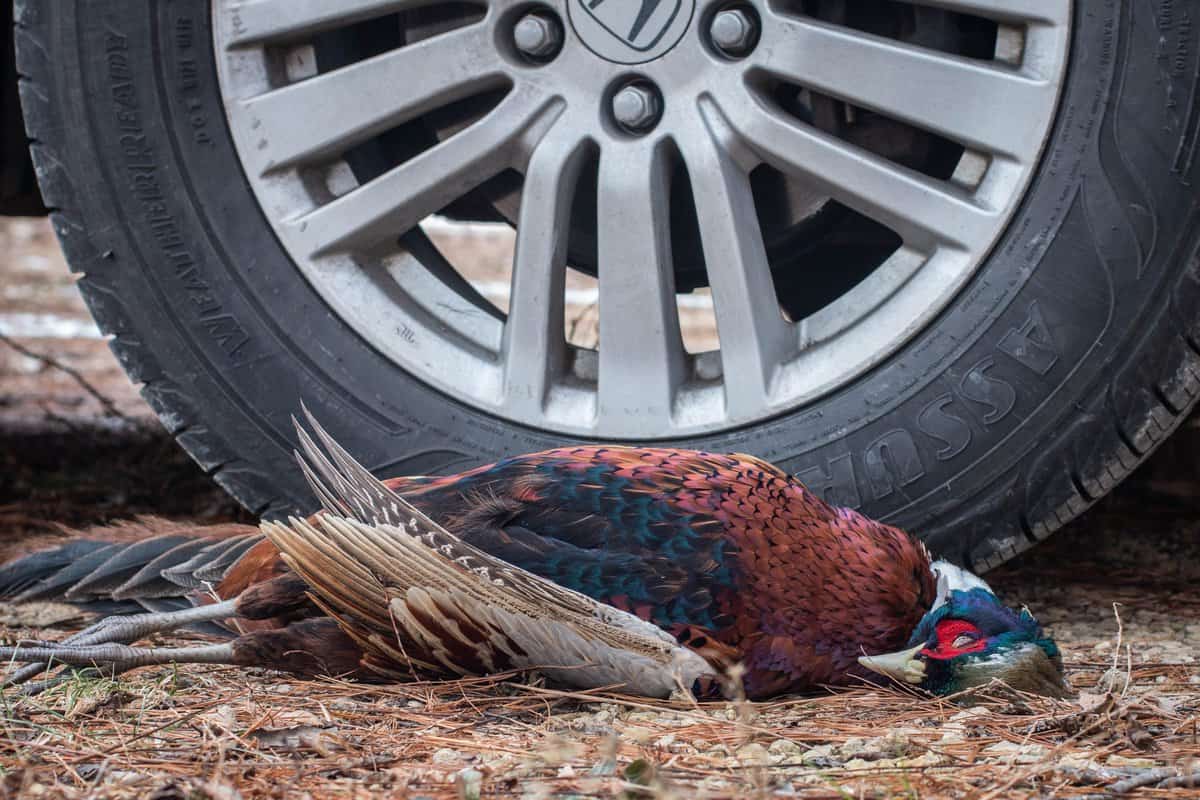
(271, 20)
(920, 210)
(396, 201)
(330, 113)
(1007, 10)
(754, 336)
(534, 341)
(978, 104)
(641, 349)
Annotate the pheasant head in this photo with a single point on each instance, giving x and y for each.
(969, 639)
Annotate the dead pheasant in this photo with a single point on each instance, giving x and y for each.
(640, 568)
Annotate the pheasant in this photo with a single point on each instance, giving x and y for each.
(641, 569)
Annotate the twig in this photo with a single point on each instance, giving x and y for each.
(1112, 684)
(1180, 782)
(109, 407)
(1141, 779)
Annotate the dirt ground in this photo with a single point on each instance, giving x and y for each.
(1118, 589)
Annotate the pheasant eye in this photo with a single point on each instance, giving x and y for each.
(963, 641)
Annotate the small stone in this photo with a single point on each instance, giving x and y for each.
(785, 750)
(445, 757)
(819, 756)
(811, 778)
(469, 783)
(1077, 761)
(637, 734)
(894, 744)
(665, 741)
(1017, 753)
(970, 713)
(556, 750)
(566, 771)
(753, 753)
(926, 759)
(852, 747)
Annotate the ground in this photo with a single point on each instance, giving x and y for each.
(1117, 588)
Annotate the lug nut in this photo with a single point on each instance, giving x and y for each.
(636, 108)
(538, 36)
(734, 32)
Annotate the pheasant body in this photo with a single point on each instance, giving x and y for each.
(724, 548)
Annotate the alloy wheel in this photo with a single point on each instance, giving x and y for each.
(656, 145)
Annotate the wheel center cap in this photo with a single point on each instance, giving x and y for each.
(630, 31)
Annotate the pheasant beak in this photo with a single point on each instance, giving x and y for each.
(903, 666)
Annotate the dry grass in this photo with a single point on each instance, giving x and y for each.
(202, 732)
(220, 733)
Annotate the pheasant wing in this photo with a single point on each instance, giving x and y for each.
(413, 603)
(349, 485)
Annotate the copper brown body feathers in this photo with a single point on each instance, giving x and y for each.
(717, 549)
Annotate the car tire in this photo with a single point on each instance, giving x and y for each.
(1068, 357)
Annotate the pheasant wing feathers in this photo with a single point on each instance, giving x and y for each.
(344, 486)
(415, 595)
